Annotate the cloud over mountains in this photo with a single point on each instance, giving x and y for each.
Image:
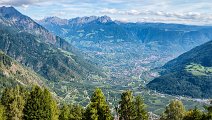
(179, 11)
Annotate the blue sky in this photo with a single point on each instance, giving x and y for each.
(167, 11)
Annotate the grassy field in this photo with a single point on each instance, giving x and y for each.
(199, 70)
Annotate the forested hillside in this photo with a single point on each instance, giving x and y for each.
(48, 55)
(13, 73)
(189, 74)
(35, 47)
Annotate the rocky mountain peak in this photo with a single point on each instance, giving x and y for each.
(84, 20)
(104, 19)
(55, 20)
(9, 12)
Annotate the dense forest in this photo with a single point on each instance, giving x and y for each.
(36, 103)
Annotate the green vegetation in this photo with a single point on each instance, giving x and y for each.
(174, 111)
(13, 101)
(126, 110)
(199, 70)
(37, 103)
(140, 109)
(12, 73)
(190, 74)
(40, 105)
(59, 67)
(71, 112)
(29, 59)
(98, 109)
(194, 114)
(64, 113)
(2, 112)
(132, 108)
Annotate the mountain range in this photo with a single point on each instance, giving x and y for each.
(71, 57)
(98, 29)
(132, 52)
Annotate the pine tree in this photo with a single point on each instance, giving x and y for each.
(141, 113)
(2, 113)
(54, 110)
(194, 114)
(98, 109)
(51, 105)
(209, 111)
(174, 111)
(40, 105)
(64, 113)
(127, 109)
(13, 102)
(76, 112)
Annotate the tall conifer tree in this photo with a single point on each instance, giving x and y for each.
(40, 105)
(2, 113)
(98, 109)
(174, 111)
(64, 113)
(127, 109)
(141, 113)
(13, 101)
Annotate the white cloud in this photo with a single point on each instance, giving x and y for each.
(195, 11)
(20, 2)
(109, 11)
(146, 15)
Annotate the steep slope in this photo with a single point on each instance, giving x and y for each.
(11, 17)
(12, 73)
(189, 74)
(32, 45)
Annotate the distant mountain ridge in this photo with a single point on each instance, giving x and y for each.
(98, 29)
(189, 74)
(74, 21)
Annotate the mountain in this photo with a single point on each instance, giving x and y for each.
(11, 17)
(12, 73)
(55, 20)
(128, 51)
(76, 21)
(189, 74)
(32, 45)
(48, 55)
(98, 29)
(110, 45)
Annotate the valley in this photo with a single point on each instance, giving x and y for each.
(128, 59)
(105, 60)
(75, 56)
